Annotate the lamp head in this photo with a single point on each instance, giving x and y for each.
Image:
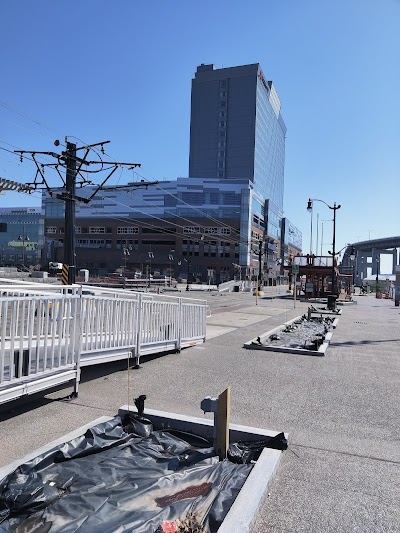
(309, 205)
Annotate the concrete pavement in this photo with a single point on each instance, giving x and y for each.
(342, 469)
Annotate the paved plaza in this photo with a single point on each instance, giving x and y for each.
(341, 471)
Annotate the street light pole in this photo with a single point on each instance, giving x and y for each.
(333, 248)
(126, 252)
(334, 208)
(151, 256)
(171, 258)
(23, 237)
(188, 274)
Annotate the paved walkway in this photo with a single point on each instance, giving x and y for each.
(342, 469)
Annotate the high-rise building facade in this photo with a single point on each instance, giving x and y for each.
(211, 222)
(237, 131)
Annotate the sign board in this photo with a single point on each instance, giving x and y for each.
(295, 269)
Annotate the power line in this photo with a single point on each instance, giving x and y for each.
(36, 121)
(26, 116)
(189, 205)
(165, 220)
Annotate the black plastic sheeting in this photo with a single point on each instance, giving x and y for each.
(111, 481)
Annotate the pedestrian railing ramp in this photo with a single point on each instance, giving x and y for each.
(48, 332)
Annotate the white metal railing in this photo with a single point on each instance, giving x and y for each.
(48, 332)
(39, 342)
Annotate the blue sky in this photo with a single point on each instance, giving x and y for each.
(121, 71)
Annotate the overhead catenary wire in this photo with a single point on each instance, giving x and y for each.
(219, 222)
(36, 121)
(190, 221)
(207, 240)
(183, 235)
(25, 115)
(158, 186)
(222, 224)
(190, 236)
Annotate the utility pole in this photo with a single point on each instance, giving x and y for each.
(69, 160)
(69, 215)
(260, 255)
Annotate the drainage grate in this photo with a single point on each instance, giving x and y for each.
(358, 322)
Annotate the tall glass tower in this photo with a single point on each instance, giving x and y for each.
(237, 131)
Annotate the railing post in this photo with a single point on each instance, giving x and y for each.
(138, 329)
(180, 320)
(78, 341)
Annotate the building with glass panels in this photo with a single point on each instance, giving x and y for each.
(237, 131)
(211, 222)
(21, 236)
(291, 244)
(161, 227)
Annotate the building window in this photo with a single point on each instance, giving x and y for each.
(78, 229)
(222, 84)
(51, 229)
(220, 173)
(126, 243)
(225, 231)
(211, 231)
(221, 124)
(222, 94)
(221, 133)
(60, 230)
(191, 229)
(90, 243)
(222, 114)
(97, 229)
(221, 144)
(221, 153)
(221, 164)
(127, 229)
(222, 103)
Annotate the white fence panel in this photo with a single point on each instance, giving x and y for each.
(193, 322)
(48, 332)
(39, 342)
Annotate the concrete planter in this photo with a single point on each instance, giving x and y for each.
(253, 344)
(243, 513)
